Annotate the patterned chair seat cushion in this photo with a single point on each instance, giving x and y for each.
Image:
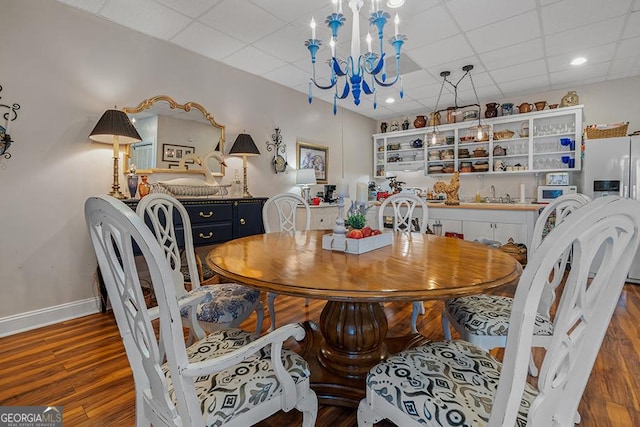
(224, 303)
(489, 315)
(207, 273)
(449, 383)
(234, 391)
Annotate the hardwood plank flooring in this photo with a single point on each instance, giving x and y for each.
(81, 365)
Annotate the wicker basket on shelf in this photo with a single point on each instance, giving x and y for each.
(594, 133)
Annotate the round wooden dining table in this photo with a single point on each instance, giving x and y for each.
(350, 336)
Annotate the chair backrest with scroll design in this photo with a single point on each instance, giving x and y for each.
(404, 205)
(285, 207)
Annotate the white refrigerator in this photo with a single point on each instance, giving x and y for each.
(611, 166)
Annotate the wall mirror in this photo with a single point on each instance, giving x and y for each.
(171, 131)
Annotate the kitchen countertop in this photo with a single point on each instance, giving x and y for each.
(489, 206)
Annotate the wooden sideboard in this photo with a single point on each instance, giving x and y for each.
(213, 221)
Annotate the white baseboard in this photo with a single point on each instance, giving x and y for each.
(22, 322)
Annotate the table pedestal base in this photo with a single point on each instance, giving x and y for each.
(349, 341)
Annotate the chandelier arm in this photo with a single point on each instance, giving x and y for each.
(387, 84)
(319, 86)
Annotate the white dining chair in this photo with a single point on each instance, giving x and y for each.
(483, 319)
(404, 205)
(280, 213)
(224, 305)
(455, 383)
(229, 378)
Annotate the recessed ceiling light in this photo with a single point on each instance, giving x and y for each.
(579, 60)
(394, 3)
(390, 100)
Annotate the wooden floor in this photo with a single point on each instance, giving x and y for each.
(81, 365)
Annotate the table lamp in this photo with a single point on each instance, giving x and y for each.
(114, 127)
(305, 178)
(244, 146)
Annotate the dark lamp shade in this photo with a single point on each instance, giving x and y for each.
(115, 123)
(244, 146)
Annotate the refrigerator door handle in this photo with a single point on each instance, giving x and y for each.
(633, 175)
(626, 173)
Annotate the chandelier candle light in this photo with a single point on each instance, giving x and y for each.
(356, 68)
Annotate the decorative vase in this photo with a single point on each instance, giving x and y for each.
(383, 127)
(132, 183)
(405, 124)
(492, 110)
(451, 115)
(419, 122)
(434, 118)
(144, 187)
(570, 99)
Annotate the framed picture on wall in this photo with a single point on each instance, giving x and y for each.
(316, 157)
(175, 153)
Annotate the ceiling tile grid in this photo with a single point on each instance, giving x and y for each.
(516, 47)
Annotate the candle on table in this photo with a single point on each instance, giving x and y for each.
(361, 193)
(313, 28)
(343, 188)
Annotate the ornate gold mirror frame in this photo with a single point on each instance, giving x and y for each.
(172, 151)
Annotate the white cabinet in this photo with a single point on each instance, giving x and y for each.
(398, 151)
(519, 143)
(323, 217)
(497, 231)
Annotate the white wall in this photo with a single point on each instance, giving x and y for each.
(65, 67)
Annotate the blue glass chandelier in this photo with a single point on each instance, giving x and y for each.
(362, 72)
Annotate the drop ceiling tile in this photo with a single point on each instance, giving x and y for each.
(570, 84)
(569, 14)
(147, 17)
(406, 107)
(191, 8)
(628, 47)
(594, 56)
(288, 76)
(625, 67)
(253, 61)
(427, 27)
(92, 6)
(507, 32)
(206, 41)
(633, 26)
(472, 14)
(286, 43)
(513, 55)
(290, 10)
(417, 79)
(524, 86)
(248, 23)
(520, 71)
(580, 73)
(585, 37)
(455, 67)
(441, 52)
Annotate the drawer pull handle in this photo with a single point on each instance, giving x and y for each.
(204, 215)
(242, 221)
(208, 236)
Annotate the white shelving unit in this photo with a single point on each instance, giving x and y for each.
(534, 147)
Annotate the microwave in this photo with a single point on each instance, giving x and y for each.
(546, 193)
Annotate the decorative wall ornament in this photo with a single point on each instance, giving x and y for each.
(5, 122)
(279, 161)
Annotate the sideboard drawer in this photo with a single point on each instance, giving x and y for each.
(207, 234)
(210, 213)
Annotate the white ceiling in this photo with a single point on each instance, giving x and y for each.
(516, 46)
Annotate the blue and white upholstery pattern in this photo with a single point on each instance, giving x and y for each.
(429, 381)
(224, 303)
(489, 315)
(236, 390)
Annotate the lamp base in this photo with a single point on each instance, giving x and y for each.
(117, 194)
(305, 193)
(245, 189)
